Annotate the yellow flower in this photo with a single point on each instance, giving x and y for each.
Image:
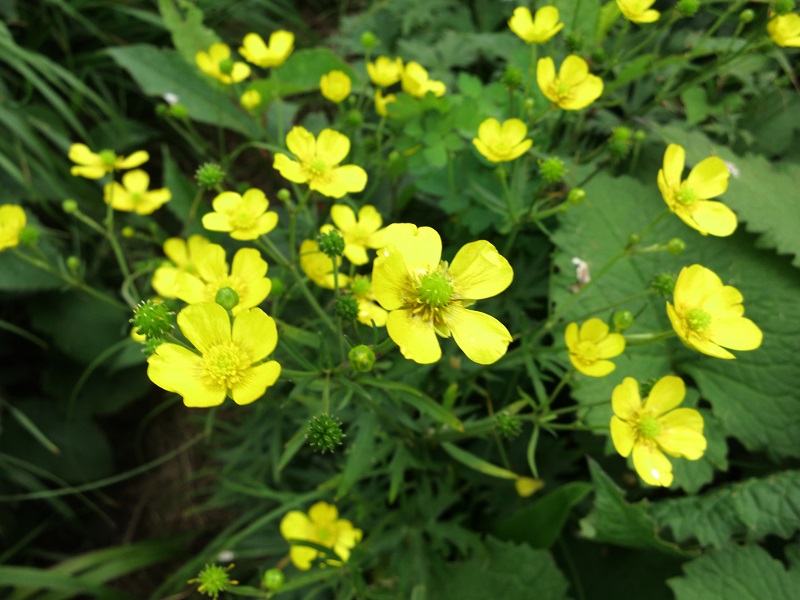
(574, 88)
(12, 222)
(651, 428)
(228, 361)
(335, 86)
(502, 143)
(368, 311)
(381, 101)
(425, 296)
(538, 29)
(707, 315)
(591, 346)
(527, 486)
(245, 217)
(250, 100)
(385, 71)
(94, 165)
(217, 63)
(321, 526)
(416, 82)
(317, 161)
(784, 30)
(359, 234)
(318, 266)
(246, 277)
(638, 11)
(133, 195)
(255, 51)
(183, 255)
(689, 199)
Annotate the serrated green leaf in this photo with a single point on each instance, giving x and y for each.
(752, 508)
(736, 573)
(616, 521)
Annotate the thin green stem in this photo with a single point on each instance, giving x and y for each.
(558, 388)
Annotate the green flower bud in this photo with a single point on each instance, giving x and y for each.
(354, 118)
(227, 298)
(618, 149)
(128, 232)
(747, 15)
(361, 358)
(576, 196)
(529, 104)
(368, 40)
(324, 433)
(331, 243)
(663, 284)
(73, 264)
(150, 346)
(676, 246)
(226, 66)
(574, 42)
(346, 308)
(639, 135)
(688, 8)
(278, 287)
(394, 156)
(621, 134)
(622, 320)
(179, 111)
(507, 426)
(213, 580)
(512, 78)
(634, 239)
(209, 175)
(69, 206)
(284, 195)
(273, 579)
(552, 170)
(152, 318)
(29, 235)
(783, 7)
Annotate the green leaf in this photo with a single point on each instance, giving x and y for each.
(158, 72)
(478, 464)
(615, 521)
(418, 400)
(11, 577)
(753, 508)
(695, 103)
(301, 74)
(505, 570)
(736, 573)
(185, 23)
(540, 523)
(362, 452)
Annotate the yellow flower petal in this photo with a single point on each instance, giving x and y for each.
(666, 394)
(546, 76)
(205, 325)
(389, 277)
(622, 435)
(421, 247)
(301, 143)
(295, 525)
(571, 337)
(593, 330)
(415, 338)
(332, 147)
(255, 382)
(343, 217)
(714, 218)
(89, 172)
(695, 283)
(652, 466)
(682, 434)
(573, 70)
(584, 93)
(611, 346)
(302, 556)
(323, 514)
(725, 303)
(737, 333)
(136, 182)
(177, 251)
(626, 400)
(255, 332)
(479, 271)
(369, 312)
(709, 178)
(175, 369)
(134, 160)
(289, 169)
(82, 155)
(481, 337)
(217, 222)
(599, 368)
(521, 23)
(343, 180)
(210, 263)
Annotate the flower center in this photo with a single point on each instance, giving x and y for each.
(649, 427)
(318, 168)
(136, 197)
(435, 290)
(698, 320)
(226, 364)
(686, 196)
(108, 157)
(242, 220)
(563, 89)
(587, 352)
(323, 534)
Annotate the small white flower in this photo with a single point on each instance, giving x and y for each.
(171, 99)
(581, 274)
(226, 556)
(734, 170)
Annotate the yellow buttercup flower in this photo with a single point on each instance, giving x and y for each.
(133, 194)
(317, 162)
(652, 428)
(416, 81)
(638, 11)
(538, 29)
(784, 30)
(368, 311)
(255, 51)
(358, 233)
(385, 71)
(335, 86)
(12, 222)
(502, 143)
(183, 255)
(591, 346)
(94, 165)
(318, 266)
(245, 217)
(381, 101)
(228, 361)
(689, 199)
(425, 296)
(217, 63)
(246, 277)
(707, 315)
(250, 100)
(321, 526)
(574, 88)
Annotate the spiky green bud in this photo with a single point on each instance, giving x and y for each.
(512, 78)
(663, 284)
(346, 308)
(507, 426)
(331, 243)
(324, 433)
(552, 170)
(152, 318)
(213, 580)
(688, 8)
(209, 175)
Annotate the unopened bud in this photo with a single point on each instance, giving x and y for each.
(552, 170)
(507, 426)
(226, 66)
(676, 246)
(179, 111)
(527, 486)
(209, 175)
(663, 284)
(639, 135)
(573, 42)
(273, 579)
(368, 40)
(361, 358)
(747, 15)
(324, 433)
(354, 118)
(278, 287)
(623, 319)
(576, 196)
(783, 7)
(128, 232)
(69, 206)
(227, 298)
(346, 308)
(29, 235)
(73, 264)
(284, 195)
(152, 318)
(512, 78)
(331, 243)
(688, 8)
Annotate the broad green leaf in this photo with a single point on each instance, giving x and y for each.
(737, 573)
(301, 73)
(752, 508)
(540, 523)
(185, 22)
(159, 72)
(505, 570)
(616, 521)
(695, 103)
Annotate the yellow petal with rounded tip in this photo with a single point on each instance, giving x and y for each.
(117, 196)
(571, 337)
(481, 337)
(289, 169)
(593, 330)
(332, 146)
(134, 160)
(652, 466)
(415, 338)
(302, 556)
(177, 369)
(479, 271)
(369, 311)
(356, 254)
(343, 217)
(546, 76)
(725, 303)
(343, 180)
(205, 325)
(681, 434)
(694, 284)
(611, 346)
(255, 332)
(622, 435)
(714, 218)
(136, 181)
(217, 222)
(674, 161)
(369, 219)
(301, 143)
(390, 276)
(599, 368)
(584, 93)
(226, 202)
(88, 172)
(626, 400)
(573, 70)
(710, 348)
(667, 393)
(81, 154)
(255, 382)
(489, 131)
(521, 23)
(513, 131)
(210, 263)
(323, 514)
(421, 247)
(709, 178)
(737, 333)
